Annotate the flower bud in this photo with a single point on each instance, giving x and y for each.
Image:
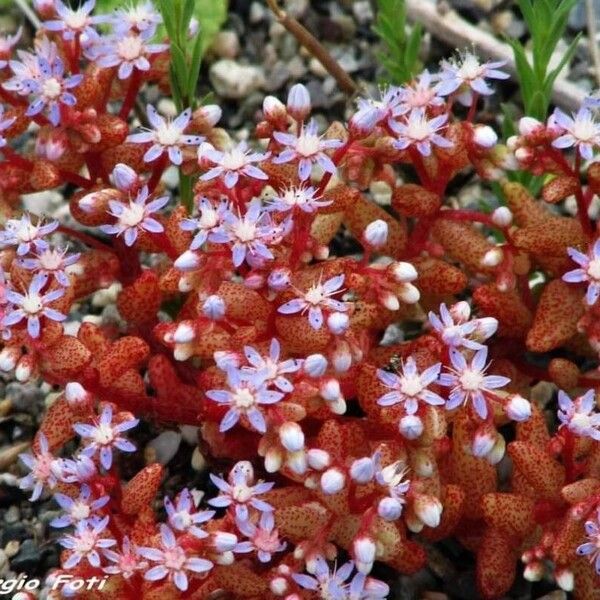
(278, 586)
(291, 436)
(298, 102)
(389, 509)
(409, 294)
(330, 390)
(338, 323)
(492, 258)
(223, 541)
(483, 440)
(497, 452)
(362, 470)
(24, 368)
(279, 279)
(523, 155)
(429, 509)
(484, 136)
(273, 460)
(214, 307)
(9, 356)
(225, 559)
(75, 393)
(254, 281)
(273, 109)
(188, 261)
(411, 427)
(185, 333)
(318, 459)
(209, 114)
(403, 272)
(528, 125)
(124, 177)
(517, 408)
(341, 358)
(565, 579)
(363, 122)
(376, 233)
(332, 481)
(390, 301)
(296, 462)
(486, 327)
(338, 406)
(364, 550)
(502, 216)
(315, 365)
(534, 571)
(226, 359)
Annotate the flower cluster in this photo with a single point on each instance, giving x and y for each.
(359, 374)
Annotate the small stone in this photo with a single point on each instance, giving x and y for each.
(363, 12)
(296, 67)
(4, 559)
(226, 44)
(28, 557)
(276, 30)
(234, 81)
(13, 514)
(381, 192)
(171, 177)
(167, 107)
(189, 434)
(106, 296)
(11, 549)
(296, 8)
(198, 460)
(5, 406)
(257, 12)
(316, 68)
(165, 446)
(278, 75)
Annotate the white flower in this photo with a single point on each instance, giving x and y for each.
(421, 132)
(230, 164)
(581, 130)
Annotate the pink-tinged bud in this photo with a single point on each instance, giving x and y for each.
(376, 589)
(278, 586)
(363, 122)
(502, 216)
(428, 509)
(315, 365)
(9, 357)
(273, 460)
(76, 394)
(484, 136)
(403, 272)
(332, 481)
(321, 252)
(279, 279)
(88, 203)
(225, 559)
(124, 177)
(210, 114)
(226, 359)
(254, 281)
(517, 408)
(330, 390)
(376, 234)
(184, 334)
(565, 579)
(389, 509)
(24, 368)
(411, 427)
(362, 470)
(497, 452)
(297, 462)
(409, 294)
(273, 109)
(523, 155)
(214, 308)
(341, 358)
(534, 571)
(364, 551)
(242, 468)
(492, 258)
(338, 323)
(389, 300)
(318, 459)
(486, 327)
(338, 406)
(291, 436)
(483, 440)
(188, 261)
(298, 102)
(528, 125)
(223, 541)
(182, 352)
(45, 8)
(461, 311)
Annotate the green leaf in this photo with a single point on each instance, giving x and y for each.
(180, 68)
(195, 68)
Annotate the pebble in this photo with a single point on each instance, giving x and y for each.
(165, 446)
(296, 8)
(296, 67)
(234, 81)
(24, 396)
(3, 560)
(11, 549)
(226, 44)
(106, 296)
(257, 12)
(316, 68)
(28, 558)
(381, 192)
(363, 11)
(12, 515)
(198, 461)
(278, 75)
(189, 434)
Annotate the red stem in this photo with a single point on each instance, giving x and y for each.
(134, 85)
